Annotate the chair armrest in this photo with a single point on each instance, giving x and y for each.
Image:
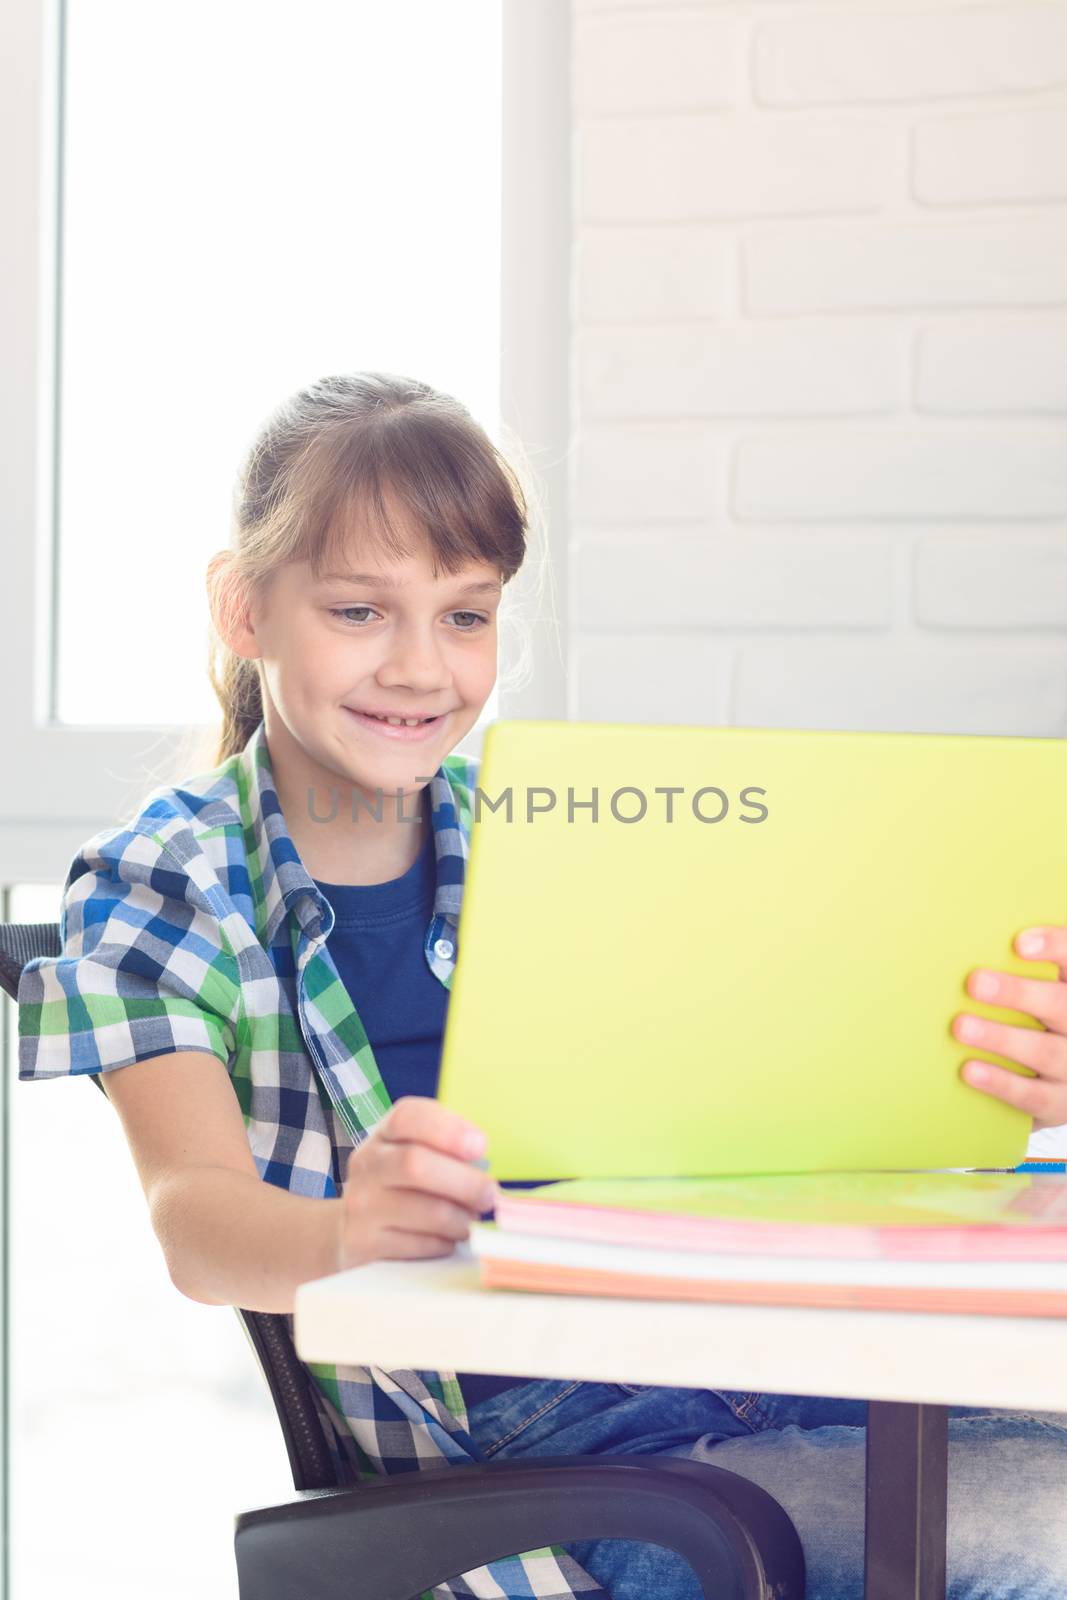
(394, 1537)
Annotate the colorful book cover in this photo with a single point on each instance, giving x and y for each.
(934, 1215)
(587, 1267)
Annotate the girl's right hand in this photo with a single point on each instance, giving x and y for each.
(410, 1190)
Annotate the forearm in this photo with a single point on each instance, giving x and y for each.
(232, 1239)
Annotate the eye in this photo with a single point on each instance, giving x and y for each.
(475, 621)
(343, 611)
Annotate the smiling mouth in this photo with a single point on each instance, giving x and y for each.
(408, 725)
(398, 722)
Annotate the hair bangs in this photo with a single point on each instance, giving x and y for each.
(408, 477)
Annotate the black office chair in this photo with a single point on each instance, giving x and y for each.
(394, 1537)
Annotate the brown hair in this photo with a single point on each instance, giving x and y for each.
(348, 441)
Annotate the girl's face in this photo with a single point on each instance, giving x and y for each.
(378, 637)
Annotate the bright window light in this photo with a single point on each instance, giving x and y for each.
(254, 195)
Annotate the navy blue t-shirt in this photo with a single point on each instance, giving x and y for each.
(377, 946)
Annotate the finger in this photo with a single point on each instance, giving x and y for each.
(399, 1246)
(407, 1211)
(1044, 943)
(1032, 1047)
(1033, 1095)
(418, 1167)
(1043, 998)
(427, 1121)
(377, 1163)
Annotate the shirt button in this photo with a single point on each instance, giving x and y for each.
(443, 948)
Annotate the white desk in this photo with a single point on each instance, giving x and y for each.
(434, 1314)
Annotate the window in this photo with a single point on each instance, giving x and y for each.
(253, 196)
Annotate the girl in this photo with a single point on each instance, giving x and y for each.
(215, 946)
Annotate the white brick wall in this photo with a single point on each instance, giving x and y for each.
(993, 365)
(817, 57)
(1016, 259)
(811, 583)
(649, 275)
(662, 168)
(1011, 581)
(1005, 156)
(820, 363)
(675, 62)
(778, 370)
(902, 474)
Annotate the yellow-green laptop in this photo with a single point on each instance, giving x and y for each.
(748, 957)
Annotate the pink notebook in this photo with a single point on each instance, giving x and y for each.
(947, 1216)
(501, 1272)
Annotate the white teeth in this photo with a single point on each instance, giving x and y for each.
(400, 722)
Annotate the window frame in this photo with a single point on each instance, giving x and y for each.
(44, 816)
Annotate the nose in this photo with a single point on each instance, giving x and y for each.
(414, 660)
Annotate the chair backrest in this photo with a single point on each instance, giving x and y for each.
(310, 1457)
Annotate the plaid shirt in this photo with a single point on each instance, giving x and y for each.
(195, 926)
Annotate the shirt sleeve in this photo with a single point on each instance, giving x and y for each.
(146, 968)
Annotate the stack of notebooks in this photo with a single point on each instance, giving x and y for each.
(971, 1241)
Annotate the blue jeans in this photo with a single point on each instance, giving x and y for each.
(1007, 1488)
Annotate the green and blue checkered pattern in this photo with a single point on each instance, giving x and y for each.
(195, 926)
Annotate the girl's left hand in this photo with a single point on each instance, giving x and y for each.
(1042, 1049)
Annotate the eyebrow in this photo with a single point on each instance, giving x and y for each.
(376, 581)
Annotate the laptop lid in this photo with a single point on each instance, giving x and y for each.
(748, 956)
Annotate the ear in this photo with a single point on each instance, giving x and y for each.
(231, 601)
